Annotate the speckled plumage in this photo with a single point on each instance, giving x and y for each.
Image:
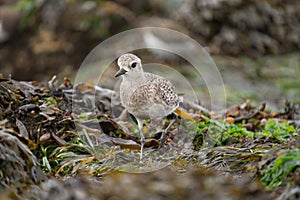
(145, 95)
(155, 97)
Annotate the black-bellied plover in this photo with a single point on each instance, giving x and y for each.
(145, 95)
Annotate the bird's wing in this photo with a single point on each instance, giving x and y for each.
(141, 96)
(166, 92)
(161, 90)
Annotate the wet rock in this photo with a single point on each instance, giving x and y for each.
(268, 27)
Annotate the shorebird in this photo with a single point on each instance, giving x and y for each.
(145, 95)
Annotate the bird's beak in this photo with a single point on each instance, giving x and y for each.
(120, 72)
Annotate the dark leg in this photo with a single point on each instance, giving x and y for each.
(174, 117)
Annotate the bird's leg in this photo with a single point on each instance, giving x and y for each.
(140, 123)
(164, 133)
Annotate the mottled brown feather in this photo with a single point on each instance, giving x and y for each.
(147, 95)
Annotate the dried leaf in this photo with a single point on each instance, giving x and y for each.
(22, 129)
(58, 140)
(126, 144)
(181, 113)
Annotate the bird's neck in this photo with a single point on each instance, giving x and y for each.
(135, 78)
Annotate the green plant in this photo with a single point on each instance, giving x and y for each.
(279, 130)
(51, 100)
(30, 10)
(283, 165)
(218, 133)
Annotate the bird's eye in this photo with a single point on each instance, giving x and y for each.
(133, 65)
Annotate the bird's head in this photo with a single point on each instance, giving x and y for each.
(130, 65)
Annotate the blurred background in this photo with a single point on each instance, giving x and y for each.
(255, 44)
